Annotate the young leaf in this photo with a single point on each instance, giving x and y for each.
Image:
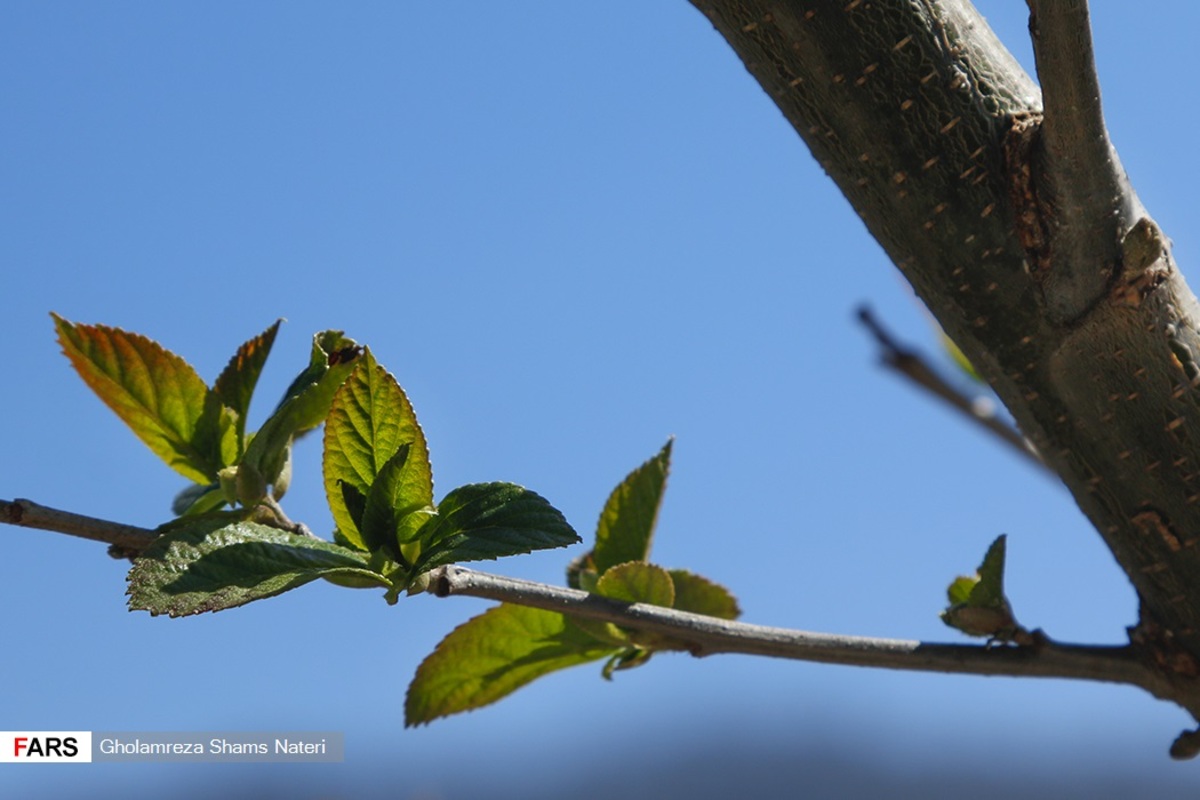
(638, 582)
(634, 582)
(197, 499)
(978, 606)
(155, 392)
(236, 383)
(370, 419)
(219, 561)
(305, 405)
(329, 349)
(626, 525)
(490, 520)
(628, 658)
(699, 595)
(492, 655)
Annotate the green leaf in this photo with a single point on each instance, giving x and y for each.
(628, 658)
(633, 582)
(490, 520)
(989, 591)
(155, 392)
(978, 606)
(581, 572)
(218, 561)
(356, 505)
(699, 595)
(369, 421)
(235, 385)
(197, 499)
(626, 525)
(393, 509)
(305, 405)
(330, 349)
(959, 592)
(638, 582)
(491, 656)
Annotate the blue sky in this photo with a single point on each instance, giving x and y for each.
(571, 230)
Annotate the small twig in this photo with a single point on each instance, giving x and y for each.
(703, 635)
(909, 363)
(282, 520)
(709, 635)
(28, 514)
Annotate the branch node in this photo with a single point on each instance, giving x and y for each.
(439, 582)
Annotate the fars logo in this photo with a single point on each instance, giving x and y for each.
(45, 747)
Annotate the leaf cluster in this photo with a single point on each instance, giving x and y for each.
(232, 543)
(509, 646)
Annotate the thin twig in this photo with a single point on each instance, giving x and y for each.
(909, 364)
(704, 635)
(281, 520)
(28, 514)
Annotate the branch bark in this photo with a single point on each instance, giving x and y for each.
(1087, 199)
(1070, 307)
(705, 636)
(28, 514)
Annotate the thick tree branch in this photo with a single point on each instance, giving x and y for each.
(931, 130)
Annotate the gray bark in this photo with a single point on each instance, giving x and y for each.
(1016, 225)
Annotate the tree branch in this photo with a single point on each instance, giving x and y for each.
(1089, 203)
(28, 514)
(909, 364)
(931, 130)
(702, 635)
(709, 635)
